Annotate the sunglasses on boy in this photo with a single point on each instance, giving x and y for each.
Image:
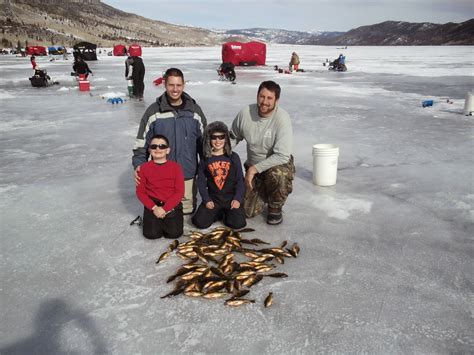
(218, 136)
(155, 146)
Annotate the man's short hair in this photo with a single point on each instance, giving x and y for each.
(270, 86)
(173, 72)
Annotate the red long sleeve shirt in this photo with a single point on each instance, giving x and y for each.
(164, 182)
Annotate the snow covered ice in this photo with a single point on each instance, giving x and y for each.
(386, 254)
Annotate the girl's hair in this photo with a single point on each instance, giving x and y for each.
(160, 136)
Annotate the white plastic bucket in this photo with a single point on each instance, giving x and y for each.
(130, 88)
(325, 158)
(469, 104)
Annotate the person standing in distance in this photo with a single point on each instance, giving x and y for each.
(294, 62)
(138, 75)
(177, 116)
(270, 170)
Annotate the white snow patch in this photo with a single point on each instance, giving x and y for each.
(20, 124)
(111, 95)
(20, 154)
(194, 83)
(6, 188)
(70, 146)
(339, 271)
(5, 95)
(340, 207)
(461, 205)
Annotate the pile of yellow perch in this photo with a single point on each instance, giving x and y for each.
(212, 268)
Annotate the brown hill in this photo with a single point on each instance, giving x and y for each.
(65, 22)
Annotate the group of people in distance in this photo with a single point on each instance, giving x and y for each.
(173, 132)
(79, 67)
(338, 64)
(134, 70)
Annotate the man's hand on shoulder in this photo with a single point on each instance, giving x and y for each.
(137, 177)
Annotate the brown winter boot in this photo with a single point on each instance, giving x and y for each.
(274, 216)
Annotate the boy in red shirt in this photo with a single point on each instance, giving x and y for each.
(161, 189)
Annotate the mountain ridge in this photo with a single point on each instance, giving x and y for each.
(66, 22)
(408, 33)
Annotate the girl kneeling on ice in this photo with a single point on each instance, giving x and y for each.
(220, 181)
(161, 189)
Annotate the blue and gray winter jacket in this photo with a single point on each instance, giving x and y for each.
(183, 127)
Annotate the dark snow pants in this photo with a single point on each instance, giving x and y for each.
(169, 227)
(138, 87)
(271, 186)
(232, 218)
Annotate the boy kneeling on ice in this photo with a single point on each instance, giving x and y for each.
(161, 189)
(220, 181)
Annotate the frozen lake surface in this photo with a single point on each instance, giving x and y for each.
(386, 262)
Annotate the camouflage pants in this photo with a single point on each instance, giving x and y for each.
(271, 186)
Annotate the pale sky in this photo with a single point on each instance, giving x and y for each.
(305, 15)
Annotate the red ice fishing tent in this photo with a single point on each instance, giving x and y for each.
(36, 50)
(120, 50)
(251, 53)
(135, 50)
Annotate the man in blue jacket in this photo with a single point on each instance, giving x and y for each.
(178, 117)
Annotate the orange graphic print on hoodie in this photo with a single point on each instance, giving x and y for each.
(219, 171)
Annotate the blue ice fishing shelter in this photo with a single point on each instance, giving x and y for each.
(52, 50)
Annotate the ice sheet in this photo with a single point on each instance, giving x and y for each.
(386, 253)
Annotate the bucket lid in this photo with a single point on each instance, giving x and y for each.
(325, 148)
